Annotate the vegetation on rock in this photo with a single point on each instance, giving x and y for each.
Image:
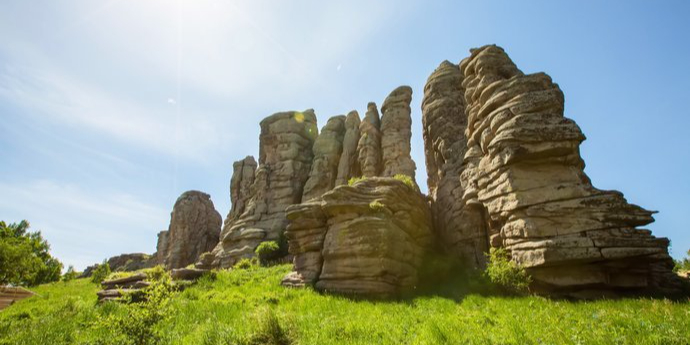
(505, 273)
(268, 251)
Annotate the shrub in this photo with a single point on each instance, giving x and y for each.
(268, 251)
(70, 275)
(682, 265)
(137, 325)
(245, 263)
(118, 275)
(506, 274)
(354, 180)
(406, 180)
(101, 272)
(25, 256)
(156, 273)
(270, 331)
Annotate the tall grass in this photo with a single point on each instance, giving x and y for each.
(249, 306)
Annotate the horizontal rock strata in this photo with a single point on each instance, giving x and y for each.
(285, 159)
(523, 166)
(368, 238)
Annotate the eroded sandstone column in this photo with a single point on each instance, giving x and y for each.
(460, 228)
(194, 229)
(285, 159)
(369, 145)
(349, 164)
(396, 124)
(327, 149)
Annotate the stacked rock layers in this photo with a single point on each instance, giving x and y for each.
(368, 238)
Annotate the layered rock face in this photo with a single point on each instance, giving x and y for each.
(285, 159)
(194, 229)
(459, 227)
(162, 247)
(369, 145)
(523, 166)
(349, 162)
(243, 172)
(327, 149)
(368, 238)
(396, 133)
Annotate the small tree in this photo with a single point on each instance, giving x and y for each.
(101, 272)
(25, 256)
(71, 274)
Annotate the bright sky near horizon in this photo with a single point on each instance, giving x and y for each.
(109, 110)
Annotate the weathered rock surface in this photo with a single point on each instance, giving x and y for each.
(285, 159)
(368, 238)
(243, 172)
(396, 133)
(125, 263)
(459, 227)
(194, 229)
(523, 166)
(327, 149)
(349, 164)
(162, 247)
(369, 145)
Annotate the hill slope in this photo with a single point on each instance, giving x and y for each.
(249, 306)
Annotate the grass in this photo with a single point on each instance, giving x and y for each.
(250, 307)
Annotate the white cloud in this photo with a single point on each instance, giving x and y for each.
(83, 227)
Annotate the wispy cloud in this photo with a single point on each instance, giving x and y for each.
(81, 226)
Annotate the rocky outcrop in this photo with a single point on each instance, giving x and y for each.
(285, 159)
(125, 263)
(396, 133)
(162, 247)
(460, 227)
(243, 172)
(327, 149)
(349, 164)
(368, 238)
(194, 229)
(369, 145)
(523, 166)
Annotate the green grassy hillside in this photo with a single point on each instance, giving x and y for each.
(250, 307)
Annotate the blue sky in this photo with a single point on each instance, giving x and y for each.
(111, 109)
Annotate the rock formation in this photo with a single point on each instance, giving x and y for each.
(369, 145)
(349, 164)
(522, 166)
(243, 172)
(285, 159)
(327, 149)
(368, 238)
(162, 247)
(194, 229)
(396, 133)
(460, 227)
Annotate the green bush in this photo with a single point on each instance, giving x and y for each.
(25, 256)
(505, 273)
(101, 272)
(138, 325)
(270, 331)
(406, 180)
(245, 263)
(682, 265)
(268, 251)
(156, 273)
(71, 274)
